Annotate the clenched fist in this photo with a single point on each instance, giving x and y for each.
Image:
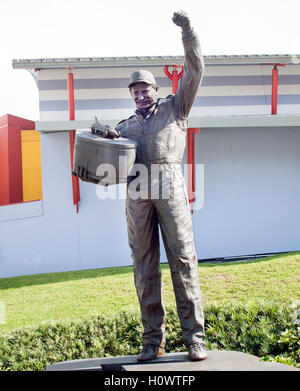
(180, 18)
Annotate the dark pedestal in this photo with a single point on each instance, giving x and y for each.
(218, 360)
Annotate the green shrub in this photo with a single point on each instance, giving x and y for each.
(267, 331)
(289, 341)
(34, 348)
(252, 328)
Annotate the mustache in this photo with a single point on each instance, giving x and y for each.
(144, 100)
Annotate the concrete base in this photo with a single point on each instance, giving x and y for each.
(218, 360)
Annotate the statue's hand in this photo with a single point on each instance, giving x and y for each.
(82, 173)
(112, 133)
(181, 19)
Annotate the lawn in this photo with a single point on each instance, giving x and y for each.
(37, 299)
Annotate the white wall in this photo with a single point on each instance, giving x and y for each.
(251, 205)
(21, 241)
(251, 191)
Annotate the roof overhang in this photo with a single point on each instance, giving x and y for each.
(104, 62)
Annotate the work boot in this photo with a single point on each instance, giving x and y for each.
(197, 351)
(150, 351)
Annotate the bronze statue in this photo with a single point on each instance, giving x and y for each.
(159, 131)
(159, 128)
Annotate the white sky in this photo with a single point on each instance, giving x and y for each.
(96, 28)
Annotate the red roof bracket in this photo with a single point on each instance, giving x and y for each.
(75, 180)
(274, 85)
(174, 76)
(191, 164)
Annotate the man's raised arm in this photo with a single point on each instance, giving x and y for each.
(193, 67)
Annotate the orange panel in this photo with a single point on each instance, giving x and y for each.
(31, 165)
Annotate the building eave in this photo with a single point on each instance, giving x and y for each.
(133, 61)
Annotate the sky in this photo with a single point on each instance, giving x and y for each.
(101, 28)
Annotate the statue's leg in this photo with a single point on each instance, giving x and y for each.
(177, 232)
(144, 243)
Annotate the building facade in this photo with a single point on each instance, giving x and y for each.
(247, 163)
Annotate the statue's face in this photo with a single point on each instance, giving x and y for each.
(144, 95)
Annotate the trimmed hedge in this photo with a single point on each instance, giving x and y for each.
(268, 331)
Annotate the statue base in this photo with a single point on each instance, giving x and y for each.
(217, 360)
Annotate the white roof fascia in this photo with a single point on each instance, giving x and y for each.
(104, 62)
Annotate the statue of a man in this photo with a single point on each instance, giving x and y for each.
(159, 128)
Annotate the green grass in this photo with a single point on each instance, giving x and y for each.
(250, 328)
(37, 299)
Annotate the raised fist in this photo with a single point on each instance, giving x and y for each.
(180, 18)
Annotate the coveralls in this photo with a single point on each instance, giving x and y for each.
(161, 139)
